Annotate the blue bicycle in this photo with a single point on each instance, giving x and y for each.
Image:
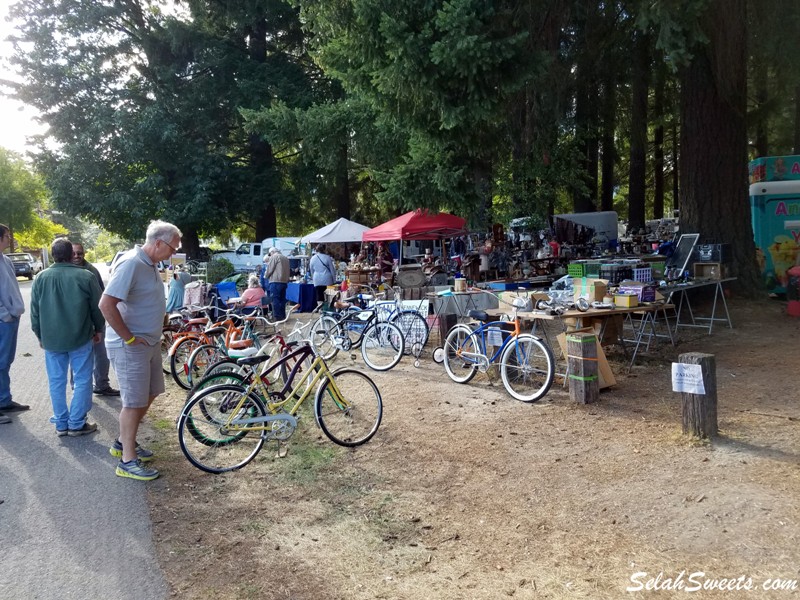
(526, 364)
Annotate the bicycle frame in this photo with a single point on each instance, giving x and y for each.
(482, 359)
(319, 370)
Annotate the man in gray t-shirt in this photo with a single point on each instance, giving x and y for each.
(133, 304)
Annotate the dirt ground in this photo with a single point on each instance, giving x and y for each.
(466, 493)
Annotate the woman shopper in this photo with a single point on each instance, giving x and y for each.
(252, 296)
(323, 271)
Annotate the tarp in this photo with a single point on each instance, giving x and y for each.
(339, 231)
(603, 222)
(418, 225)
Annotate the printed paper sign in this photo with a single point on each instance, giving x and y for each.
(688, 378)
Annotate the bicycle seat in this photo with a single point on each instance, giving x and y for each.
(249, 361)
(240, 344)
(197, 321)
(478, 315)
(216, 331)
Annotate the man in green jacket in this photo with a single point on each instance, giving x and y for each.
(67, 321)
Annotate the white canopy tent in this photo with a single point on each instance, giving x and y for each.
(339, 231)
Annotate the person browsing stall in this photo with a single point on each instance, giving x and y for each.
(254, 293)
(68, 324)
(323, 271)
(11, 309)
(102, 385)
(277, 272)
(134, 305)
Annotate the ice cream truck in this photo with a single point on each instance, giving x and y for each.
(775, 208)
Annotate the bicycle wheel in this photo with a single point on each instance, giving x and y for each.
(348, 407)
(205, 439)
(179, 359)
(323, 336)
(527, 368)
(415, 331)
(200, 359)
(459, 343)
(382, 346)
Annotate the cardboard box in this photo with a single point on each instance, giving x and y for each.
(644, 292)
(626, 300)
(591, 289)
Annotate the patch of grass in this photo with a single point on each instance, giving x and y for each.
(163, 424)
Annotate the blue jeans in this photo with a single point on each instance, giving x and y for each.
(81, 360)
(8, 348)
(277, 292)
(101, 364)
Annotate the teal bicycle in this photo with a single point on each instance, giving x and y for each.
(527, 367)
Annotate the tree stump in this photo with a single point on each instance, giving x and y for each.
(584, 386)
(699, 411)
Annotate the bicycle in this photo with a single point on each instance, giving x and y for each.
(233, 331)
(382, 345)
(409, 321)
(214, 426)
(208, 359)
(526, 363)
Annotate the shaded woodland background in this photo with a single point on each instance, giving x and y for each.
(265, 117)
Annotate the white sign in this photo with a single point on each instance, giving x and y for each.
(687, 378)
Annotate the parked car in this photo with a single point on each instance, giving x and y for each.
(25, 265)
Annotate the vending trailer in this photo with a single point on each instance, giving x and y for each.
(775, 208)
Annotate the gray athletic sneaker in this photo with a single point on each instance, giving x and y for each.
(87, 428)
(136, 470)
(143, 454)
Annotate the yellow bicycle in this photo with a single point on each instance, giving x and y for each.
(223, 427)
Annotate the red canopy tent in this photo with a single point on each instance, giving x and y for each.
(417, 225)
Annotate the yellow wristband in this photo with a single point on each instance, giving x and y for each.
(130, 341)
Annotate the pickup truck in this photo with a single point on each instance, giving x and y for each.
(25, 265)
(247, 257)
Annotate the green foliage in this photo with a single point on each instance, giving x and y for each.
(218, 269)
(19, 192)
(23, 203)
(40, 233)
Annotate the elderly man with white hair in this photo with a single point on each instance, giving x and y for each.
(133, 304)
(277, 272)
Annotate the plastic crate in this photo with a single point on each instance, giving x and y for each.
(576, 269)
(658, 269)
(643, 274)
(593, 268)
(615, 273)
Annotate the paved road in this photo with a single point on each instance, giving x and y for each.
(69, 528)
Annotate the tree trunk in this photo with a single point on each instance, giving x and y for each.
(658, 143)
(342, 185)
(190, 243)
(261, 157)
(609, 148)
(762, 96)
(714, 185)
(797, 119)
(638, 162)
(676, 166)
(584, 200)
